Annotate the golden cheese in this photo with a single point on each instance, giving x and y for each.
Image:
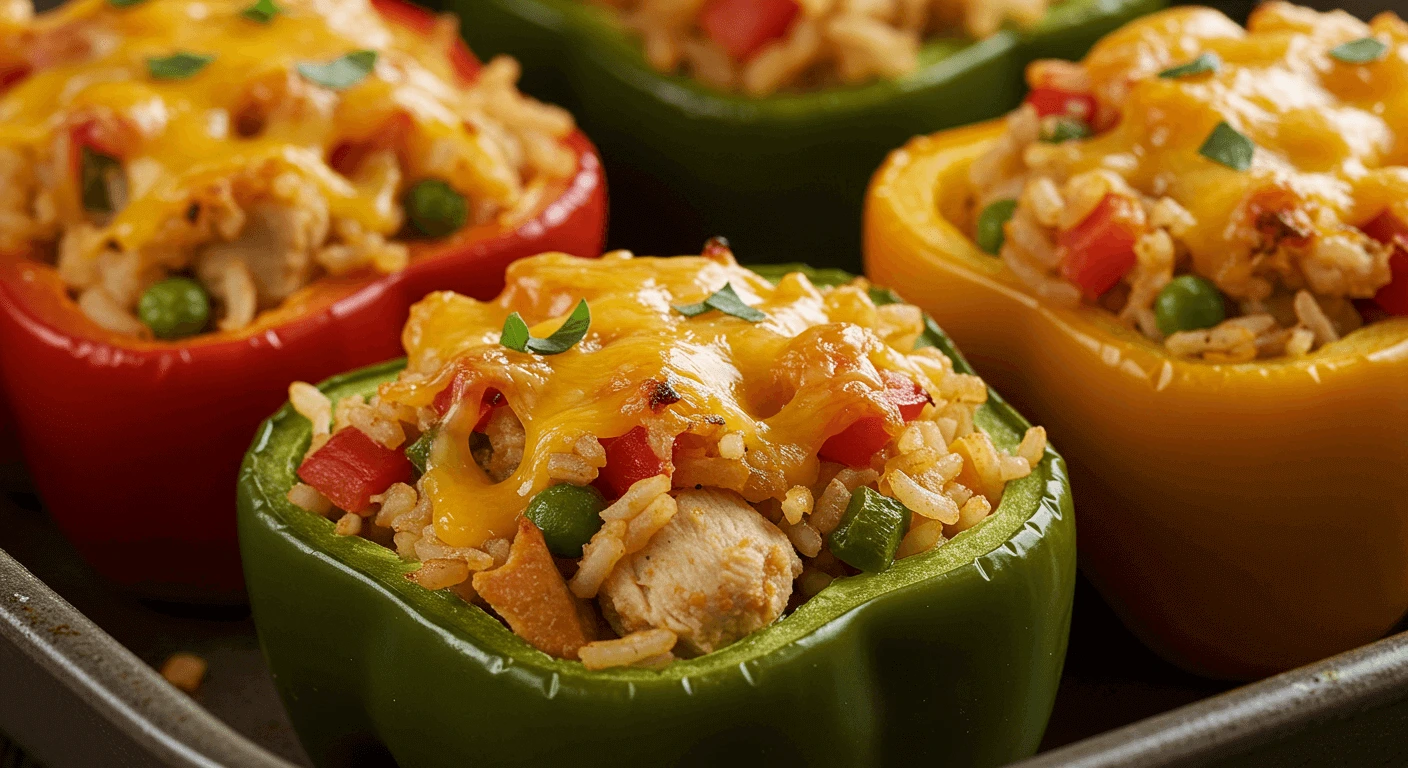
(90, 57)
(785, 383)
(1329, 134)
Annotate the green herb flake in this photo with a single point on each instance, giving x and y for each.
(516, 336)
(263, 11)
(1205, 63)
(1059, 129)
(342, 72)
(123, 3)
(1365, 50)
(178, 66)
(725, 300)
(1228, 147)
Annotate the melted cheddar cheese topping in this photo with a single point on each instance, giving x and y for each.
(89, 58)
(1329, 137)
(786, 383)
(254, 147)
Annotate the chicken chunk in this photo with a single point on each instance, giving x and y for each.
(276, 245)
(716, 572)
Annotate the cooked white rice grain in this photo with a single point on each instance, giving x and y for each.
(731, 446)
(923, 501)
(394, 502)
(599, 558)
(1033, 445)
(974, 511)
(350, 524)
(649, 522)
(570, 468)
(922, 537)
(831, 507)
(439, 574)
(797, 503)
(636, 498)
(634, 648)
(805, 539)
(308, 498)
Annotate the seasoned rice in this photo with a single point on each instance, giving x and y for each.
(1295, 268)
(722, 525)
(828, 42)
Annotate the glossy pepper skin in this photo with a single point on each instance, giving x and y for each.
(950, 657)
(779, 175)
(132, 444)
(1243, 519)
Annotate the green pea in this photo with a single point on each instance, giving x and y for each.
(990, 222)
(568, 515)
(434, 208)
(175, 308)
(1188, 303)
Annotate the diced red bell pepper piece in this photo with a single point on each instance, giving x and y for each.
(855, 445)
(743, 27)
(11, 75)
(1061, 103)
(1100, 249)
(451, 394)
(1387, 228)
(454, 392)
(351, 468)
(1393, 298)
(905, 394)
(492, 401)
(629, 459)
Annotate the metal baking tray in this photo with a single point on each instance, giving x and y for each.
(78, 685)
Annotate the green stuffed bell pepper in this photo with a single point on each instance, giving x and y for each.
(778, 174)
(919, 638)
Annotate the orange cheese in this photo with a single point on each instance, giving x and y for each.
(91, 56)
(785, 383)
(1328, 133)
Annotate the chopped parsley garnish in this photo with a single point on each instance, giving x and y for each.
(1228, 147)
(178, 66)
(1059, 129)
(263, 11)
(1362, 51)
(724, 300)
(515, 335)
(342, 72)
(1207, 62)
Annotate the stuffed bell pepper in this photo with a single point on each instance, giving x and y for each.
(1186, 255)
(764, 119)
(205, 199)
(661, 511)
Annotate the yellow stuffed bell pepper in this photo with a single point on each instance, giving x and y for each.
(1210, 327)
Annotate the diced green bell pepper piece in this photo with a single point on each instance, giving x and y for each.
(870, 531)
(948, 658)
(568, 515)
(779, 175)
(419, 451)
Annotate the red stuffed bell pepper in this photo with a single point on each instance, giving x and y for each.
(259, 200)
